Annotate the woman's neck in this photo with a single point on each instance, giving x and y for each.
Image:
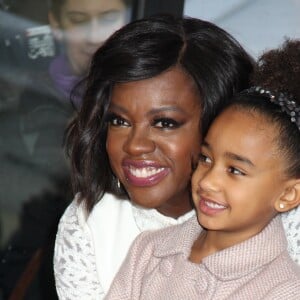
(176, 211)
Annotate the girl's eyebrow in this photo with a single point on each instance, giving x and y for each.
(239, 158)
(233, 156)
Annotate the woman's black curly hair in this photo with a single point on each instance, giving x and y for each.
(212, 58)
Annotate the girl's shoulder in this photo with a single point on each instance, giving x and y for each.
(287, 290)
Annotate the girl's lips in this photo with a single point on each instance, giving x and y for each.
(144, 173)
(209, 207)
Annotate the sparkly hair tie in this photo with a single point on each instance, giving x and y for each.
(283, 100)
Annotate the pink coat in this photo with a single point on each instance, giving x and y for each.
(157, 267)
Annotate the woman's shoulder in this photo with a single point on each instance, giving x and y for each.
(110, 211)
(77, 214)
(110, 201)
(72, 228)
(291, 224)
(74, 257)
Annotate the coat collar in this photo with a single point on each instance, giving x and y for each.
(231, 262)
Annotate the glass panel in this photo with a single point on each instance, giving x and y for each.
(40, 63)
(257, 25)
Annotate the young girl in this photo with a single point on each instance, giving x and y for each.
(248, 173)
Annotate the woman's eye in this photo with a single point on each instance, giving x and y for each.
(166, 123)
(117, 121)
(235, 171)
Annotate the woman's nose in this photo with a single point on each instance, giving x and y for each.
(139, 142)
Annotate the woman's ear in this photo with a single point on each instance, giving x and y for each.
(55, 26)
(290, 198)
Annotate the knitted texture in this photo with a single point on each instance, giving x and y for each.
(157, 267)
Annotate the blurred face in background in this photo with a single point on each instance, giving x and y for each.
(83, 25)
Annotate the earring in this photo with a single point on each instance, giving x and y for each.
(281, 205)
(118, 183)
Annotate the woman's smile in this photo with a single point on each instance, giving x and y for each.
(144, 173)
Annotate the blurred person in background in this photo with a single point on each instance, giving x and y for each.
(81, 27)
(32, 158)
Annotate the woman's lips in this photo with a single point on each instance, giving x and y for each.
(144, 173)
(209, 207)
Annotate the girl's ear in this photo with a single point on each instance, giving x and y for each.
(290, 197)
(55, 26)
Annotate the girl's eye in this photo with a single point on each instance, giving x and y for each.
(235, 171)
(166, 123)
(117, 121)
(204, 159)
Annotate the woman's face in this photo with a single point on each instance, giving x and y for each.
(154, 139)
(84, 25)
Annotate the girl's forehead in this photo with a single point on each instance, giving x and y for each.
(246, 129)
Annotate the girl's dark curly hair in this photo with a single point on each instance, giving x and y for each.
(278, 71)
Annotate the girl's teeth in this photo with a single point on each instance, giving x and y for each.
(214, 205)
(145, 172)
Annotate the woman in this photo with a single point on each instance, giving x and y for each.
(152, 90)
(236, 247)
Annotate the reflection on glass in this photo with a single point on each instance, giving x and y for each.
(40, 63)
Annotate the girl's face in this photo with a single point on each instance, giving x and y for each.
(240, 175)
(154, 139)
(84, 25)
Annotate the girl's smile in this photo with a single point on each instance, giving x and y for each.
(210, 207)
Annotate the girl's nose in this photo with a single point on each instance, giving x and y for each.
(139, 142)
(207, 178)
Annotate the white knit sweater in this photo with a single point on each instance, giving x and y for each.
(89, 251)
